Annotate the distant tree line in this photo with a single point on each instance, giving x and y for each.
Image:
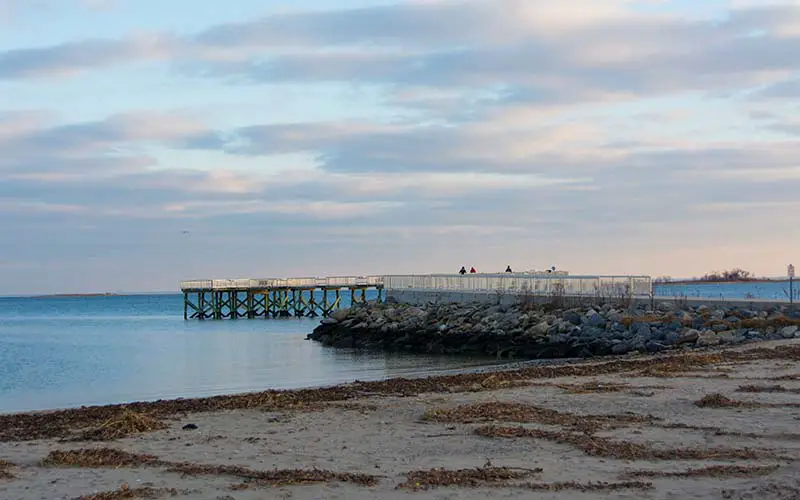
(735, 274)
(730, 275)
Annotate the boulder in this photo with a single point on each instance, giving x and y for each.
(573, 317)
(789, 332)
(340, 314)
(540, 328)
(689, 336)
(622, 347)
(706, 338)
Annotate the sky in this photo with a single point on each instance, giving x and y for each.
(143, 143)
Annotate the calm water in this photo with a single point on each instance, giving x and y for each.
(62, 352)
(774, 290)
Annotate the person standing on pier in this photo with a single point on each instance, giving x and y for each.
(472, 270)
(462, 271)
(508, 269)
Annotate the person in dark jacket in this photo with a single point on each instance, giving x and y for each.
(462, 271)
(508, 269)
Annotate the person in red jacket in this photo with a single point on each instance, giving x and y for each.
(472, 270)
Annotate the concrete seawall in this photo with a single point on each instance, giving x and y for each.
(421, 297)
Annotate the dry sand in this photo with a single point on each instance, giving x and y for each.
(389, 436)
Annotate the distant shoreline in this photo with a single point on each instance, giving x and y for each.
(85, 295)
(68, 295)
(719, 282)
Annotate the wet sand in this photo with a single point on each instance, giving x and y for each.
(712, 424)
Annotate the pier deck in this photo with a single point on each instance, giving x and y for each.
(304, 297)
(274, 297)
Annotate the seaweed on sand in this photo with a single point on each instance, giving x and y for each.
(608, 448)
(710, 471)
(276, 477)
(473, 478)
(524, 413)
(122, 425)
(125, 492)
(98, 457)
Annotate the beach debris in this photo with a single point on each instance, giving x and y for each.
(189, 427)
(603, 387)
(709, 471)
(110, 457)
(591, 486)
(126, 492)
(497, 411)
(275, 477)
(473, 478)
(97, 458)
(717, 400)
(122, 425)
(5, 473)
(608, 448)
(767, 388)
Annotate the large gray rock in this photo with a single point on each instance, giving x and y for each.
(540, 328)
(671, 338)
(690, 336)
(573, 317)
(789, 332)
(731, 337)
(706, 339)
(622, 347)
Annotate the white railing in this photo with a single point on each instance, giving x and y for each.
(606, 286)
(520, 283)
(243, 284)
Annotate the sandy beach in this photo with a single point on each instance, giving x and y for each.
(695, 424)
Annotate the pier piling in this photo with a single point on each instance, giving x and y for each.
(273, 298)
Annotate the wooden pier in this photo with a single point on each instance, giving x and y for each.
(274, 298)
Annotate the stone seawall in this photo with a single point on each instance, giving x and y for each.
(423, 297)
(529, 331)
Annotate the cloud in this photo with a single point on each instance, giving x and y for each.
(72, 58)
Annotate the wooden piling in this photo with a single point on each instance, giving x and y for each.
(270, 300)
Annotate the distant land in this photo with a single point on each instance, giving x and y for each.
(83, 295)
(700, 281)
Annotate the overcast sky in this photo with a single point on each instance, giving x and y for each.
(146, 142)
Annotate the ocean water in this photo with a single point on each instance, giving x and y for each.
(772, 290)
(72, 351)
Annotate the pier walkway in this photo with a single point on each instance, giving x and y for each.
(310, 297)
(274, 297)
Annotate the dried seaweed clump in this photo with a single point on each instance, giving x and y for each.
(717, 400)
(593, 486)
(97, 457)
(710, 471)
(766, 388)
(524, 413)
(4, 472)
(123, 425)
(276, 477)
(472, 478)
(125, 492)
(607, 448)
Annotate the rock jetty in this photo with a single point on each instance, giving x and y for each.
(526, 332)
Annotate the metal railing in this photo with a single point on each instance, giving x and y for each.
(540, 284)
(264, 283)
